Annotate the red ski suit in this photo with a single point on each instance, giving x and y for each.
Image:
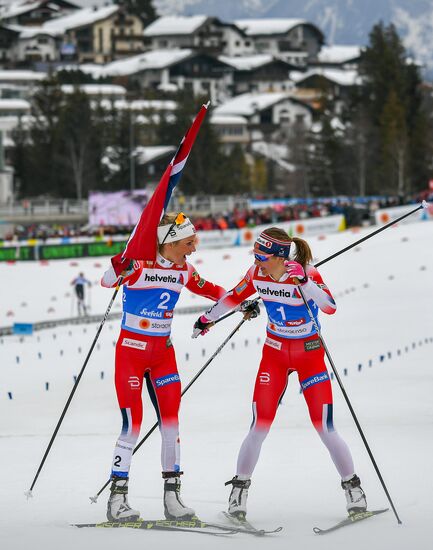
(144, 350)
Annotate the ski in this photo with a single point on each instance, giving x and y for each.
(242, 522)
(350, 520)
(188, 526)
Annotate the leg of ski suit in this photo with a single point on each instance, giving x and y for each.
(278, 360)
(154, 358)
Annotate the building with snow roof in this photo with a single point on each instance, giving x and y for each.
(338, 57)
(200, 32)
(295, 40)
(259, 73)
(35, 12)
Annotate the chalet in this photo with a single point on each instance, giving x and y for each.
(34, 12)
(259, 73)
(180, 69)
(338, 57)
(335, 83)
(198, 32)
(232, 130)
(294, 40)
(269, 109)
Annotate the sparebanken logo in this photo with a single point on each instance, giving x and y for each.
(321, 377)
(168, 379)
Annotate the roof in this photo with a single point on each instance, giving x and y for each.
(24, 76)
(247, 62)
(17, 8)
(254, 27)
(147, 154)
(95, 89)
(338, 76)
(228, 119)
(81, 18)
(338, 54)
(155, 59)
(248, 104)
(175, 24)
(14, 104)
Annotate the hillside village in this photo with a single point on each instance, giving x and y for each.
(264, 77)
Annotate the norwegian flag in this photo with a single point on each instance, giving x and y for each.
(141, 244)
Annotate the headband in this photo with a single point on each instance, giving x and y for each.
(173, 232)
(270, 245)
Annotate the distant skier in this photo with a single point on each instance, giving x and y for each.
(79, 284)
(292, 344)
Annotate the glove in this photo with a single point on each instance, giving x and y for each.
(122, 267)
(201, 326)
(250, 309)
(295, 270)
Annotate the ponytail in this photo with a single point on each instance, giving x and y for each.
(303, 254)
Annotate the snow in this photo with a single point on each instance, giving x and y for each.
(156, 59)
(247, 62)
(247, 104)
(175, 25)
(227, 119)
(95, 89)
(268, 26)
(152, 152)
(384, 290)
(81, 18)
(15, 76)
(338, 54)
(339, 76)
(14, 104)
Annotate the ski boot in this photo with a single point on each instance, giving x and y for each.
(174, 508)
(118, 508)
(355, 496)
(238, 497)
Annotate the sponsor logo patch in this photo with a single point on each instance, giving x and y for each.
(168, 379)
(295, 322)
(273, 343)
(313, 380)
(134, 382)
(136, 344)
(312, 344)
(201, 283)
(168, 343)
(265, 378)
(241, 286)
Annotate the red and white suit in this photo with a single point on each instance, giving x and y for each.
(144, 350)
(292, 344)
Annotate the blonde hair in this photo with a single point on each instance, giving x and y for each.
(168, 218)
(303, 253)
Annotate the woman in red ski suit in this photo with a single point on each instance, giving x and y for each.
(292, 344)
(144, 351)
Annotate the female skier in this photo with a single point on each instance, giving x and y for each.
(144, 349)
(292, 344)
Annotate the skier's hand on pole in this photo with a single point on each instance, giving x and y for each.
(201, 326)
(250, 309)
(297, 272)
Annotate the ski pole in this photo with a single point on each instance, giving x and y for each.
(346, 397)
(77, 381)
(424, 204)
(204, 367)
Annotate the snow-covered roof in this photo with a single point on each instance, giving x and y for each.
(14, 104)
(228, 119)
(144, 155)
(254, 27)
(175, 24)
(80, 18)
(154, 105)
(338, 54)
(24, 76)
(339, 76)
(248, 104)
(17, 8)
(95, 89)
(156, 59)
(246, 62)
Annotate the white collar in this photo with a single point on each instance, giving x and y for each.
(163, 261)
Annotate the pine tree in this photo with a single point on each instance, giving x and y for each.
(141, 8)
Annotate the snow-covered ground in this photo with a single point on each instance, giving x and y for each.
(384, 292)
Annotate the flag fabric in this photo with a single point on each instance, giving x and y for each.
(141, 244)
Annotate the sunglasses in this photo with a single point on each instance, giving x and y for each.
(262, 257)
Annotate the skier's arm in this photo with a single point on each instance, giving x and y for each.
(200, 286)
(315, 289)
(109, 279)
